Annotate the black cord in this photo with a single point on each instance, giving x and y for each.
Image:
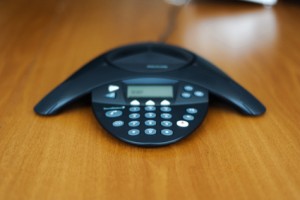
(171, 22)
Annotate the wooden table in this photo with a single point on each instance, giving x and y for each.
(69, 156)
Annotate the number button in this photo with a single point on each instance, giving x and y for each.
(134, 116)
(134, 123)
(165, 109)
(166, 116)
(167, 132)
(166, 123)
(150, 108)
(113, 113)
(150, 131)
(134, 109)
(150, 115)
(133, 132)
(150, 123)
(118, 123)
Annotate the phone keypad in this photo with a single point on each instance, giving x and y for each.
(158, 121)
(153, 121)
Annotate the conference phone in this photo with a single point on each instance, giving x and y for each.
(149, 94)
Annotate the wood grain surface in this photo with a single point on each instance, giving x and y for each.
(69, 156)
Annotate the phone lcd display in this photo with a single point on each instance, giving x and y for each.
(150, 91)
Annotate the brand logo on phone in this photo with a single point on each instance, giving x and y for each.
(157, 66)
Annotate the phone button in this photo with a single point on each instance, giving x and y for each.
(150, 103)
(166, 116)
(135, 103)
(118, 123)
(188, 88)
(111, 95)
(150, 115)
(182, 123)
(150, 131)
(188, 117)
(150, 108)
(167, 132)
(165, 103)
(166, 123)
(198, 93)
(134, 109)
(134, 123)
(134, 116)
(186, 95)
(112, 88)
(133, 132)
(150, 123)
(165, 109)
(191, 110)
(113, 113)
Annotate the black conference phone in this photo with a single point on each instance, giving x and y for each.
(149, 94)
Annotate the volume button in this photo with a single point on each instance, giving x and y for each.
(198, 93)
(188, 88)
